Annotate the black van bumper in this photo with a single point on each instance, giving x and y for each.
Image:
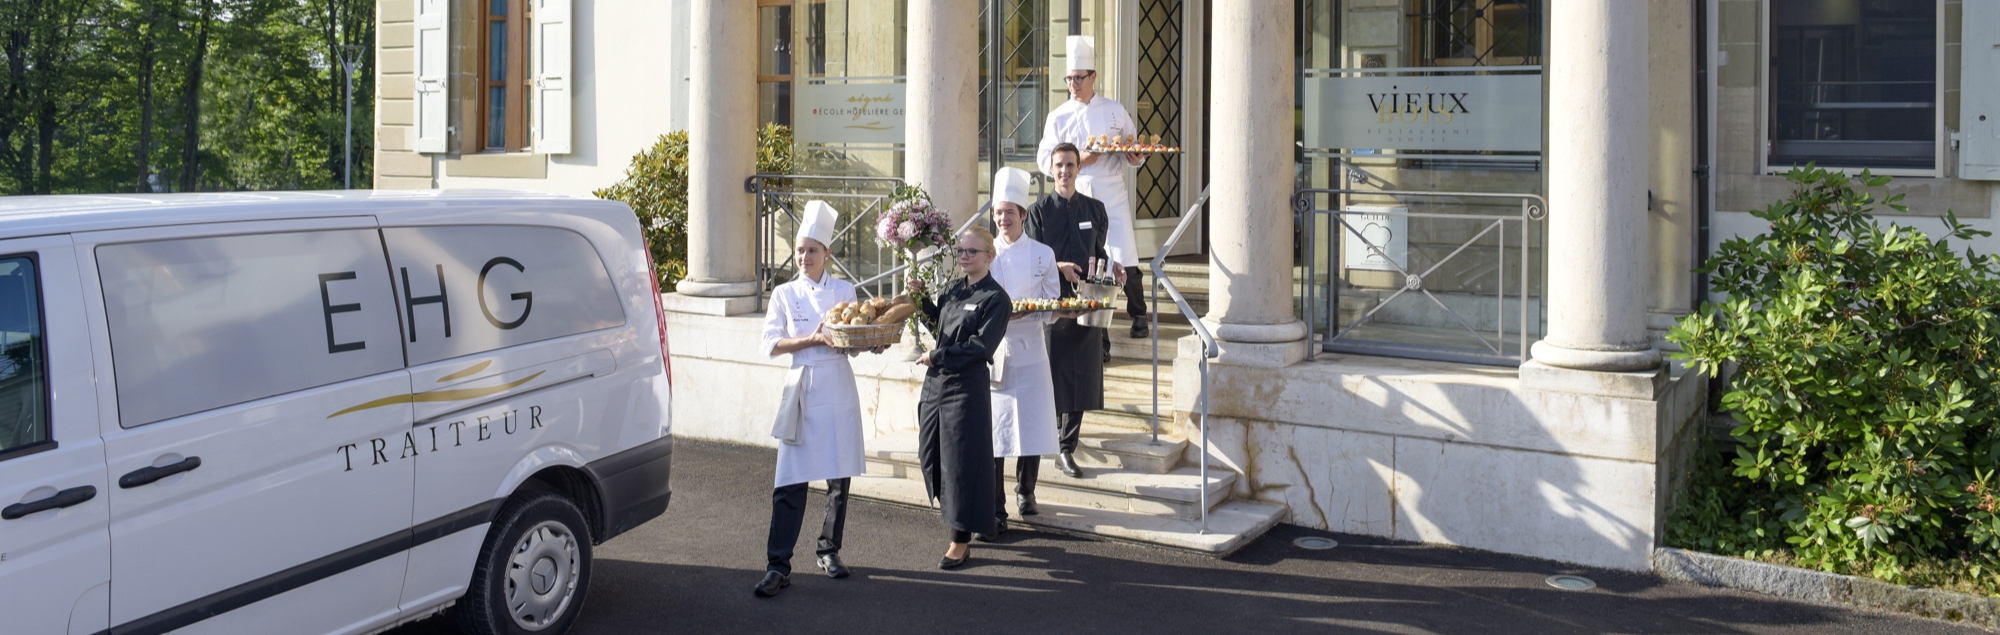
(633, 485)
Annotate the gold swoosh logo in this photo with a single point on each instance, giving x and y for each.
(872, 125)
(456, 394)
(467, 372)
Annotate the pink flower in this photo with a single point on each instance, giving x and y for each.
(907, 230)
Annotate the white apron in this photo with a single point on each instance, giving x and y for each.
(1120, 240)
(1024, 406)
(829, 431)
(1024, 399)
(829, 426)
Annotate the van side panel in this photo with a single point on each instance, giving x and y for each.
(298, 509)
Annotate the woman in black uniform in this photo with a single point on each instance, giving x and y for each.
(954, 419)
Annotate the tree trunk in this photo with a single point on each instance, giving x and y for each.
(191, 148)
(143, 152)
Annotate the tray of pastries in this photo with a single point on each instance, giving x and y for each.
(1135, 144)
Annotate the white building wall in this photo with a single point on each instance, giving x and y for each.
(631, 87)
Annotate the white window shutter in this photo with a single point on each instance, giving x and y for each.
(551, 112)
(433, 74)
(1979, 97)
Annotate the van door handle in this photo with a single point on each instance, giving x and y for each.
(66, 498)
(146, 475)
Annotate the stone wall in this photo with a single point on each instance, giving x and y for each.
(1450, 453)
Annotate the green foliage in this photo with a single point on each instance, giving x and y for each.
(1862, 373)
(161, 95)
(656, 186)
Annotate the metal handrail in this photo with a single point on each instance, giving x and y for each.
(1533, 208)
(1209, 350)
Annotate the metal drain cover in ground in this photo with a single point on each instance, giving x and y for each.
(1315, 543)
(1570, 582)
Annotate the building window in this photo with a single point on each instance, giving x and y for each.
(774, 61)
(503, 76)
(1853, 83)
(1476, 32)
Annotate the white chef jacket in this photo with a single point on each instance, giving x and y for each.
(830, 445)
(1076, 122)
(1024, 404)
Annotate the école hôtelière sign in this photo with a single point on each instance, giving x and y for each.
(848, 113)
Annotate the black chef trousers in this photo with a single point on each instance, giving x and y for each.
(1026, 470)
(788, 512)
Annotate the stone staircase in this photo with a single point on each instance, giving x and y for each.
(1133, 489)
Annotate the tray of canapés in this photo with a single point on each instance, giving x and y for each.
(1050, 305)
(1135, 144)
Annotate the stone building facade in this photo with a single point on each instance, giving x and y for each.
(1496, 380)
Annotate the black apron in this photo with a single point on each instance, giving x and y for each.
(955, 415)
(1075, 229)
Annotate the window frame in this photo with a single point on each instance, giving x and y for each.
(48, 441)
(1939, 135)
(516, 83)
(1485, 36)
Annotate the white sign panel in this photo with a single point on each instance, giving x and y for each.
(1501, 113)
(848, 113)
(1375, 238)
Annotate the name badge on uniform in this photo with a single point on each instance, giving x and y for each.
(1083, 225)
(972, 307)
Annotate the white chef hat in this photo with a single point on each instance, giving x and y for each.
(1082, 53)
(818, 223)
(1010, 185)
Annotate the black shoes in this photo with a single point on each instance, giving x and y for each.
(1026, 504)
(831, 564)
(999, 527)
(1067, 463)
(1139, 328)
(772, 584)
(948, 563)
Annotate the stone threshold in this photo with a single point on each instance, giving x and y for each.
(1824, 588)
(1232, 525)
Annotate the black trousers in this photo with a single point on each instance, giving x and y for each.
(1069, 430)
(1026, 470)
(1135, 295)
(788, 513)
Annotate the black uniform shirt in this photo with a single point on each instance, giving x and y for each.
(1074, 228)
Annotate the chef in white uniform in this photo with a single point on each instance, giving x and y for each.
(1102, 177)
(819, 419)
(1024, 403)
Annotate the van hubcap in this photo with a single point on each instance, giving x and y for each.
(542, 575)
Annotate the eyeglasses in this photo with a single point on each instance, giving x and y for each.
(1071, 79)
(963, 252)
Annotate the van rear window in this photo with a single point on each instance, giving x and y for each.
(201, 323)
(23, 396)
(468, 289)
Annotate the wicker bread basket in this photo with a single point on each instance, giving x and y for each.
(864, 335)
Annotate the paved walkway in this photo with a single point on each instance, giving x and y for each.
(691, 572)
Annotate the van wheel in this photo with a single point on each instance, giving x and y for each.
(533, 571)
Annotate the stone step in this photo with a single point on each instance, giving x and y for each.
(1231, 525)
(1128, 450)
(1175, 493)
(1124, 346)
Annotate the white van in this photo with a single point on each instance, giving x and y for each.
(321, 412)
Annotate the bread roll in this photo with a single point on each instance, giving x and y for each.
(896, 314)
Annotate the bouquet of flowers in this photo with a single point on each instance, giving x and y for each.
(913, 228)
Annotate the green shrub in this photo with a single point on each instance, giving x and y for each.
(656, 187)
(1862, 371)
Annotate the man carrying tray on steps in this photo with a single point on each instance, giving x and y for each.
(1072, 225)
(1101, 175)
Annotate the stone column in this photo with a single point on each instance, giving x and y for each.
(722, 151)
(1598, 163)
(1250, 271)
(941, 144)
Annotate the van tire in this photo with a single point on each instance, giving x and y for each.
(533, 570)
